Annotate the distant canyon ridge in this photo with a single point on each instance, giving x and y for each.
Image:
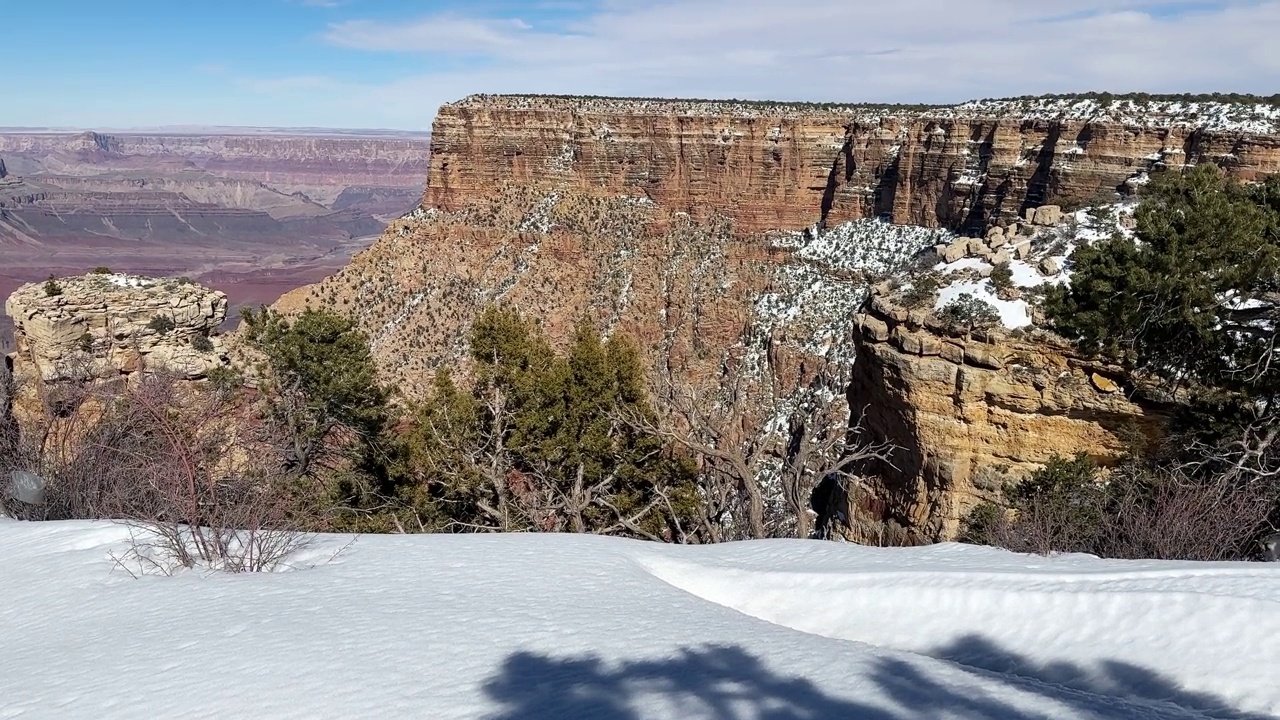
(253, 213)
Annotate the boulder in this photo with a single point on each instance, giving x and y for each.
(1048, 215)
(1050, 266)
(1103, 384)
(955, 251)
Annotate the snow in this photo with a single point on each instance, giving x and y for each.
(122, 280)
(1241, 117)
(560, 626)
(1013, 313)
(1026, 276)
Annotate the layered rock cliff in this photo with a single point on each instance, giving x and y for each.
(103, 326)
(288, 161)
(737, 240)
(780, 166)
(971, 412)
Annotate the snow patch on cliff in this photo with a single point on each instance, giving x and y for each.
(1242, 117)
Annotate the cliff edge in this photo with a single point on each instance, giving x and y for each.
(777, 166)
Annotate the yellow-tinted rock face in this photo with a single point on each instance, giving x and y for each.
(969, 414)
(103, 326)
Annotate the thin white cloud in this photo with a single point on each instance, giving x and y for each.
(909, 49)
(442, 33)
(853, 50)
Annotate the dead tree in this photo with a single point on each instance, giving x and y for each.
(742, 433)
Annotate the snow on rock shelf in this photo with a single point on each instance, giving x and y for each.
(561, 626)
(1042, 258)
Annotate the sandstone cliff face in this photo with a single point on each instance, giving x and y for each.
(680, 224)
(105, 326)
(771, 167)
(971, 413)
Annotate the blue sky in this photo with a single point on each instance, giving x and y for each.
(391, 63)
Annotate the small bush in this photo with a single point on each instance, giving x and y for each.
(225, 379)
(202, 343)
(1134, 511)
(970, 313)
(161, 324)
(52, 288)
(102, 270)
(922, 291)
(1002, 277)
(86, 342)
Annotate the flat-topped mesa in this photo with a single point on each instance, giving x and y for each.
(101, 326)
(789, 165)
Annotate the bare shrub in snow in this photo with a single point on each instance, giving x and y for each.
(198, 483)
(740, 440)
(1134, 511)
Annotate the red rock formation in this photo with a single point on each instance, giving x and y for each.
(771, 167)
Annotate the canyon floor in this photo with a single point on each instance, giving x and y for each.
(253, 213)
(568, 626)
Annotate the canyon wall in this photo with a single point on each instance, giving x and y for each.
(971, 412)
(254, 212)
(391, 160)
(780, 166)
(740, 240)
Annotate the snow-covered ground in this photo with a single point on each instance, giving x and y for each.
(562, 626)
(1083, 227)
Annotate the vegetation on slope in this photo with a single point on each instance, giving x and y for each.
(1190, 306)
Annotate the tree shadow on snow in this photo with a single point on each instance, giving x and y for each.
(727, 683)
(1109, 678)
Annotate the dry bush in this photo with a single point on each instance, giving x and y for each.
(187, 470)
(1133, 512)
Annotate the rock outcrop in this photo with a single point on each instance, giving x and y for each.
(103, 326)
(772, 166)
(970, 413)
(730, 237)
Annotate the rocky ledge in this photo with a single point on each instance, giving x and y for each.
(972, 411)
(101, 326)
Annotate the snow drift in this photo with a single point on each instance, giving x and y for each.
(563, 626)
